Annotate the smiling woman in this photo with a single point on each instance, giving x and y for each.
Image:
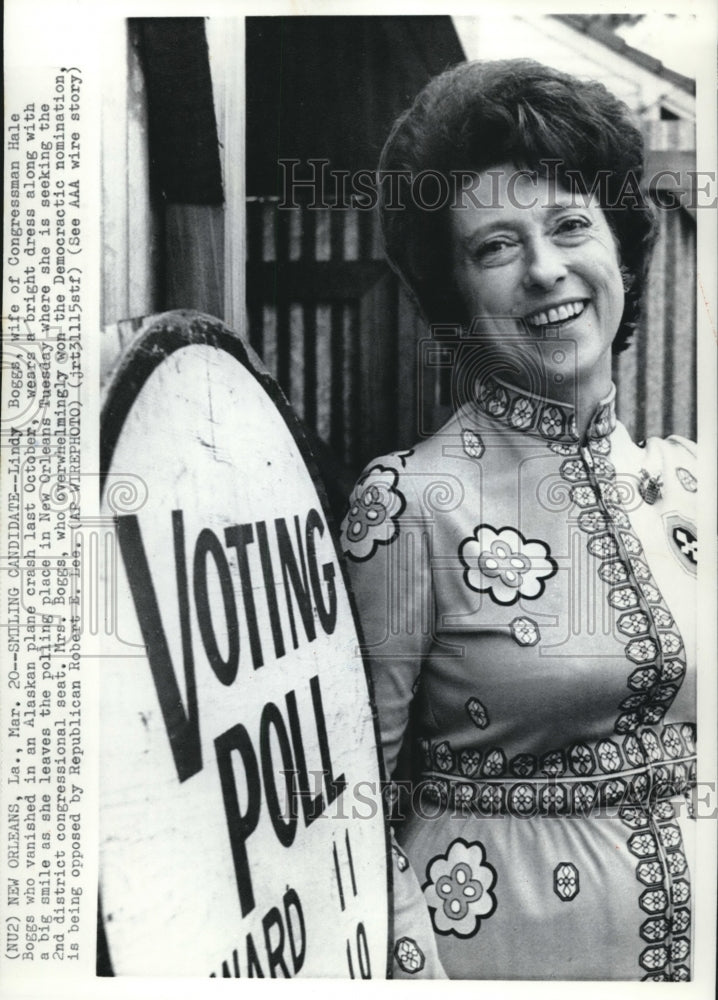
(525, 577)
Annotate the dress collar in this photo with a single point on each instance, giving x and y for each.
(532, 413)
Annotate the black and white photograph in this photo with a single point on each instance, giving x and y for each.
(359, 387)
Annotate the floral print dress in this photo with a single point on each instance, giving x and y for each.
(527, 606)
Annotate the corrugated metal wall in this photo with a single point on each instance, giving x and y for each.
(656, 377)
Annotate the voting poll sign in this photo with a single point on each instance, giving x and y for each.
(241, 825)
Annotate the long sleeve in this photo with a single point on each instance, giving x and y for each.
(388, 558)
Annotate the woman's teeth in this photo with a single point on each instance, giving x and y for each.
(558, 314)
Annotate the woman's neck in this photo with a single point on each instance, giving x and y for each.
(584, 395)
(581, 395)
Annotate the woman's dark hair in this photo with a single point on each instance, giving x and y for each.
(481, 114)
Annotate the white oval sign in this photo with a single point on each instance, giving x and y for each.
(241, 825)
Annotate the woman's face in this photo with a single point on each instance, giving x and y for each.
(538, 254)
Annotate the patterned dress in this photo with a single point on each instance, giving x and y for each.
(528, 605)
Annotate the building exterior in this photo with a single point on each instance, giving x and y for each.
(182, 217)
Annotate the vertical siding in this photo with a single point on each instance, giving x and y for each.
(333, 346)
(194, 258)
(225, 45)
(130, 259)
(656, 377)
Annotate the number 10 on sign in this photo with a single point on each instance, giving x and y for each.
(360, 946)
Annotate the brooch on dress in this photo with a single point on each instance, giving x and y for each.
(650, 487)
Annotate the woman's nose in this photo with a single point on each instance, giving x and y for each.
(545, 264)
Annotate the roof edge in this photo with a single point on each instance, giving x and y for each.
(619, 45)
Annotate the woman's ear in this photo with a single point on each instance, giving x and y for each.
(627, 278)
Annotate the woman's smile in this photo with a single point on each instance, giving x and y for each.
(556, 315)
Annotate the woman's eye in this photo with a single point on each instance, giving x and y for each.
(574, 224)
(494, 250)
